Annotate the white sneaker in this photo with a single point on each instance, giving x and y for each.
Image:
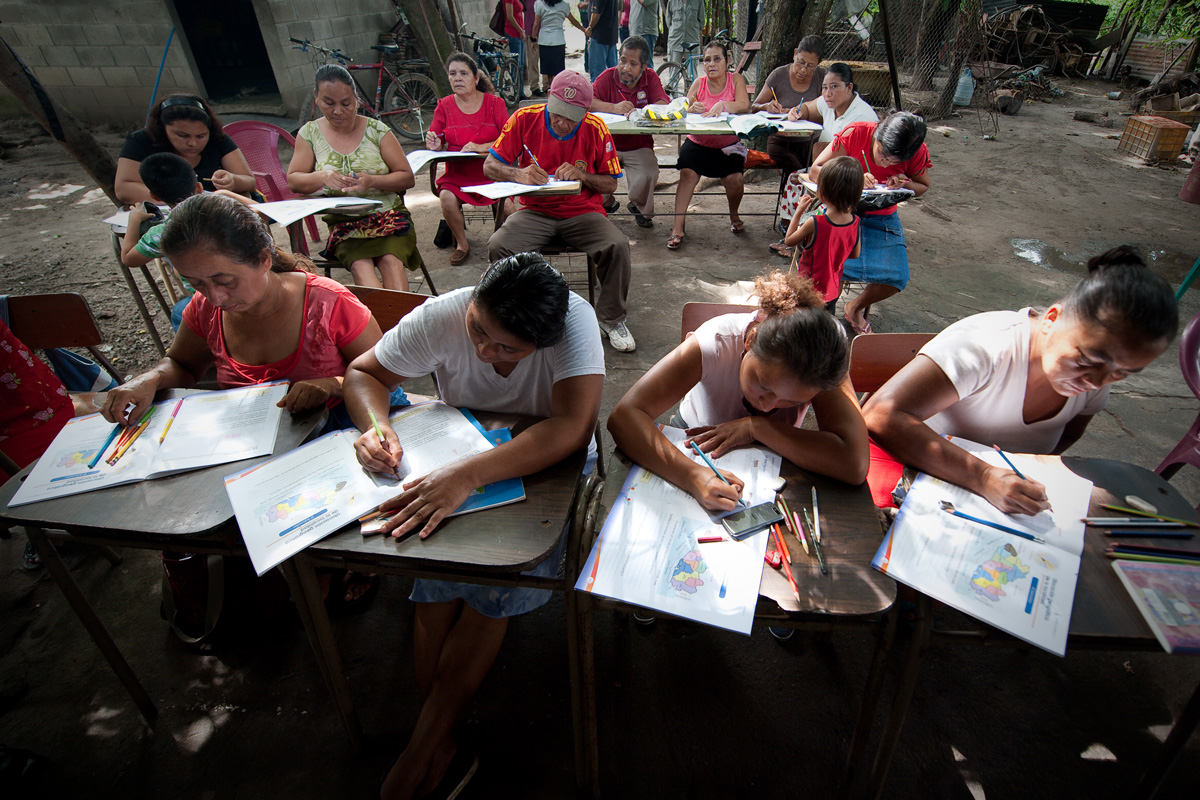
(619, 336)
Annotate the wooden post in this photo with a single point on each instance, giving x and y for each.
(425, 22)
(58, 122)
(887, 45)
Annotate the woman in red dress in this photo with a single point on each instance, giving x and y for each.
(468, 120)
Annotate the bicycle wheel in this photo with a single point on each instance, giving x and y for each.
(674, 79)
(308, 109)
(408, 105)
(508, 81)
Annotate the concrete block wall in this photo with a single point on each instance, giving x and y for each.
(350, 26)
(99, 58)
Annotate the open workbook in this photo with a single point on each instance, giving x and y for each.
(1023, 587)
(648, 551)
(296, 499)
(206, 429)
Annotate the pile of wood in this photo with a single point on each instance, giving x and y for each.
(1027, 37)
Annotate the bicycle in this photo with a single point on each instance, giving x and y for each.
(406, 106)
(677, 78)
(500, 65)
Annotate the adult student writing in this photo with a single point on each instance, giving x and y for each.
(562, 139)
(468, 120)
(347, 154)
(749, 379)
(185, 125)
(619, 90)
(891, 152)
(518, 342)
(838, 106)
(786, 89)
(1028, 381)
(723, 156)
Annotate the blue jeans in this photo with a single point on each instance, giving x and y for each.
(650, 40)
(601, 57)
(517, 45)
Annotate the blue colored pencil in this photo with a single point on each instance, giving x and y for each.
(996, 525)
(1009, 462)
(713, 467)
(116, 429)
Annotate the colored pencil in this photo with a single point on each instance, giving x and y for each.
(816, 517)
(1152, 533)
(1153, 559)
(167, 427)
(995, 525)
(1008, 461)
(116, 430)
(787, 570)
(532, 157)
(713, 467)
(782, 507)
(816, 545)
(1140, 513)
(1133, 522)
(145, 423)
(800, 535)
(780, 543)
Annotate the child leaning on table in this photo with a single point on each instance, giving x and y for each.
(825, 241)
(171, 180)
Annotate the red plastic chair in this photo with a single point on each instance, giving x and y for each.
(259, 143)
(1188, 449)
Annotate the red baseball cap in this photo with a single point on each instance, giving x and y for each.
(570, 95)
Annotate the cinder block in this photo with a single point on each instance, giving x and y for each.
(300, 30)
(283, 11)
(32, 34)
(61, 57)
(54, 76)
(322, 29)
(87, 76)
(154, 35)
(127, 55)
(125, 76)
(94, 56)
(115, 97)
(342, 27)
(103, 34)
(307, 9)
(34, 57)
(63, 35)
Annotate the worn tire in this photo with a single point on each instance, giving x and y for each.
(408, 105)
(674, 79)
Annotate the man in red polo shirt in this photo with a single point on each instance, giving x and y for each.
(619, 90)
(562, 140)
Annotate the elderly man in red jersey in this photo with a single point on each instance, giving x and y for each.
(561, 140)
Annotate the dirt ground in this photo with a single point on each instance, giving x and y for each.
(685, 710)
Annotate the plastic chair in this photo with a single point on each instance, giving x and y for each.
(695, 314)
(44, 321)
(259, 143)
(388, 306)
(1188, 449)
(876, 358)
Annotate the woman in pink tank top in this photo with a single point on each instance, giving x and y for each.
(722, 156)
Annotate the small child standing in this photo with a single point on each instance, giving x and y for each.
(825, 242)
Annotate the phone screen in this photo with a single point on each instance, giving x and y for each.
(741, 524)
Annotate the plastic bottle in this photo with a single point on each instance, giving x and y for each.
(965, 90)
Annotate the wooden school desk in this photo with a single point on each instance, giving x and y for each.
(189, 511)
(852, 595)
(490, 547)
(1103, 616)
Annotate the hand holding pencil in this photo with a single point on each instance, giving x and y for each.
(379, 449)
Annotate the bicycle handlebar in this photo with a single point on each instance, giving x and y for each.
(304, 44)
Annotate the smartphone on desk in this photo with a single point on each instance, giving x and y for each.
(741, 524)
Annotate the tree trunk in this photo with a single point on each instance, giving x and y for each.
(425, 22)
(788, 21)
(968, 14)
(934, 33)
(58, 122)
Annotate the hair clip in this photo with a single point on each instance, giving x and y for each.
(183, 101)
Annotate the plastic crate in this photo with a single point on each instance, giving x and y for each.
(1153, 139)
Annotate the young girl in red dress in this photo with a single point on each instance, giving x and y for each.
(827, 240)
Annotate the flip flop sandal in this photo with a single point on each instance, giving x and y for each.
(674, 241)
(781, 249)
(857, 330)
(356, 580)
(458, 256)
(737, 227)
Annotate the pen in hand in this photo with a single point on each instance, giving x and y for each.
(382, 439)
(713, 467)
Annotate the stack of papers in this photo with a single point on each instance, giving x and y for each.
(499, 189)
(285, 212)
(419, 159)
(608, 118)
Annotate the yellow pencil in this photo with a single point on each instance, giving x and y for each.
(774, 95)
(145, 423)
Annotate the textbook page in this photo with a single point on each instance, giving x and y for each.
(647, 553)
(232, 425)
(1023, 587)
(609, 118)
(419, 159)
(285, 212)
(499, 189)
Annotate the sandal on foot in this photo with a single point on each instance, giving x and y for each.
(865, 329)
(458, 256)
(781, 249)
(674, 241)
(737, 227)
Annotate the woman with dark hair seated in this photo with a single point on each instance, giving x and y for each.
(185, 125)
(518, 342)
(749, 379)
(723, 156)
(891, 152)
(467, 120)
(1028, 381)
(787, 88)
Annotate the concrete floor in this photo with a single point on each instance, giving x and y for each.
(685, 711)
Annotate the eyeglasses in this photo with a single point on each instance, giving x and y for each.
(712, 59)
